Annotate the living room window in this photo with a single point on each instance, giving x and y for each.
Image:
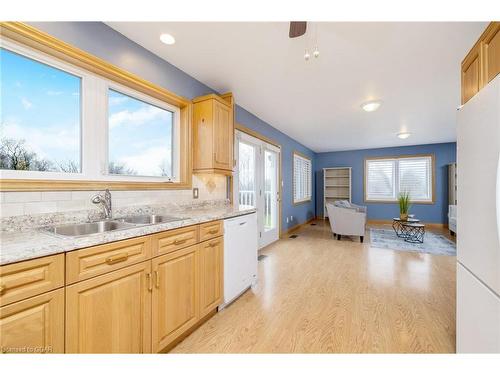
(386, 178)
(302, 178)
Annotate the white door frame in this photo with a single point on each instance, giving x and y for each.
(261, 145)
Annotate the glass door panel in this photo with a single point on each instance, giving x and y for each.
(270, 196)
(247, 176)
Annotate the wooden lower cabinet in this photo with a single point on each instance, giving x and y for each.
(211, 256)
(110, 313)
(34, 325)
(175, 295)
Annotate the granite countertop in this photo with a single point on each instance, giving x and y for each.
(27, 244)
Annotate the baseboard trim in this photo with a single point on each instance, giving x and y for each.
(295, 227)
(389, 222)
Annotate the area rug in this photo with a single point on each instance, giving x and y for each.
(436, 244)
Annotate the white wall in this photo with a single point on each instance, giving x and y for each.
(211, 187)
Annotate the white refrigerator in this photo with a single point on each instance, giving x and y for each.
(478, 222)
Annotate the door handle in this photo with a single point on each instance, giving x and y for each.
(157, 279)
(150, 281)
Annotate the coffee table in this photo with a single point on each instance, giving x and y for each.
(413, 232)
(398, 227)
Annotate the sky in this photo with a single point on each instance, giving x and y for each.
(41, 105)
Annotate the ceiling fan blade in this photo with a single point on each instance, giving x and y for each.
(297, 28)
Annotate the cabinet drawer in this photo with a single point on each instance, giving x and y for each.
(29, 278)
(166, 242)
(211, 230)
(97, 260)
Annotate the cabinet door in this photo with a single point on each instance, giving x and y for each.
(175, 295)
(491, 48)
(110, 313)
(211, 276)
(223, 136)
(471, 74)
(34, 325)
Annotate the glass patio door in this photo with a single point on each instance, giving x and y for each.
(270, 195)
(256, 183)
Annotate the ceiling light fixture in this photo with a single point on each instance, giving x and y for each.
(167, 39)
(403, 135)
(371, 106)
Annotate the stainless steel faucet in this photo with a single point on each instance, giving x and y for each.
(105, 200)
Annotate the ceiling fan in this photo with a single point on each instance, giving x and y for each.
(297, 28)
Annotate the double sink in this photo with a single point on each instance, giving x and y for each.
(104, 226)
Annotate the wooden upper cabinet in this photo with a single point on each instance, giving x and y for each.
(34, 325)
(471, 74)
(175, 295)
(213, 128)
(110, 313)
(482, 63)
(491, 51)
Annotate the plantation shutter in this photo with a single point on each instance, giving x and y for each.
(302, 179)
(385, 179)
(380, 179)
(415, 177)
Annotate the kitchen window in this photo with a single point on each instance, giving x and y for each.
(140, 137)
(61, 123)
(40, 116)
(386, 178)
(302, 178)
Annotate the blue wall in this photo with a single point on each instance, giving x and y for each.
(100, 40)
(445, 153)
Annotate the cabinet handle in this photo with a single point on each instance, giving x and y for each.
(213, 231)
(213, 244)
(157, 279)
(117, 258)
(150, 281)
(180, 242)
(3, 288)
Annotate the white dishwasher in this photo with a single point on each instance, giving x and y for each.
(240, 256)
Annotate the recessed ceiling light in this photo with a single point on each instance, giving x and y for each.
(167, 39)
(371, 106)
(404, 135)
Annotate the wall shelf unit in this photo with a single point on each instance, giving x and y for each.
(336, 185)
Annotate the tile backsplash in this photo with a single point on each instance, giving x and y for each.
(211, 187)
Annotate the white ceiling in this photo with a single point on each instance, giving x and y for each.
(414, 68)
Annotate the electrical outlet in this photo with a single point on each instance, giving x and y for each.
(195, 193)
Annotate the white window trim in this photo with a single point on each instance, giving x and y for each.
(93, 125)
(309, 197)
(396, 179)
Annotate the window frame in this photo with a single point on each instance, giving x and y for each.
(32, 43)
(308, 199)
(396, 180)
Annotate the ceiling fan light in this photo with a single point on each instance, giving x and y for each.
(307, 56)
(316, 52)
(403, 135)
(371, 106)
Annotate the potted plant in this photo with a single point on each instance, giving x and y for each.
(404, 205)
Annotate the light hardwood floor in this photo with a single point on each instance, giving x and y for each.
(319, 295)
